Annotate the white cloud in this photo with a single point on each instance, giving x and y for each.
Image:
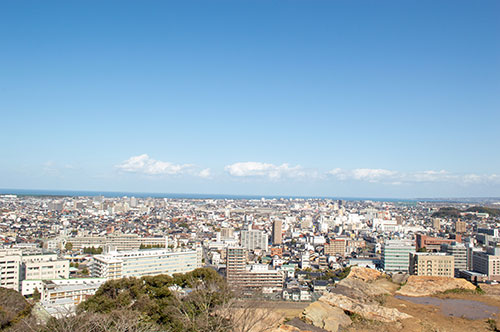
(399, 178)
(205, 173)
(372, 174)
(258, 169)
(146, 165)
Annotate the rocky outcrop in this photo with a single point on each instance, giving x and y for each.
(325, 316)
(364, 273)
(400, 278)
(372, 311)
(426, 285)
(359, 290)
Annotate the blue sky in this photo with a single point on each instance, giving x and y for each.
(336, 98)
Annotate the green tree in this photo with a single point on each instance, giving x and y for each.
(69, 246)
(36, 295)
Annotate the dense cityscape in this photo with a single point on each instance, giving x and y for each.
(289, 249)
(249, 166)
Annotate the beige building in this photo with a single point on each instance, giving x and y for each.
(10, 262)
(436, 224)
(120, 242)
(432, 264)
(277, 232)
(460, 227)
(335, 247)
(44, 266)
(256, 277)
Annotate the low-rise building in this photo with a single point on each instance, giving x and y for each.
(139, 263)
(432, 264)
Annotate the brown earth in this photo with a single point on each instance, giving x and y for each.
(424, 317)
(364, 273)
(425, 285)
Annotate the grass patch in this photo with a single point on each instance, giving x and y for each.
(477, 291)
(492, 324)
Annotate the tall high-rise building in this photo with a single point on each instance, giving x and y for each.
(460, 226)
(459, 252)
(235, 263)
(436, 224)
(277, 231)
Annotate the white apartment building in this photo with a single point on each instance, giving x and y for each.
(44, 267)
(28, 286)
(10, 261)
(254, 239)
(139, 263)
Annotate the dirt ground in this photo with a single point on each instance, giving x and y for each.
(428, 318)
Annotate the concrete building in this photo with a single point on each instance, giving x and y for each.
(254, 239)
(235, 263)
(487, 263)
(459, 252)
(335, 247)
(436, 224)
(433, 243)
(305, 260)
(277, 232)
(120, 242)
(10, 262)
(73, 292)
(256, 277)
(396, 255)
(432, 264)
(29, 286)
(460, 227)
(139, 263)
(227, 233)
(43, 266)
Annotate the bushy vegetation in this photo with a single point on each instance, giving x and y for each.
(13, 308)
(450, 212)
(198, 301)
(92, 251)
(151, 246)
(447, 212)
(156, 299)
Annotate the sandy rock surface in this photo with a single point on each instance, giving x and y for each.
(425, 285)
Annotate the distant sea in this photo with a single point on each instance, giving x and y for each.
(74, 193)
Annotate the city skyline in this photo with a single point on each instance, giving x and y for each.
(335, 99)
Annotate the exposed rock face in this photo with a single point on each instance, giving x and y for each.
(426, 285)
(400, 278)
(364, 273)
(370, 311)
(325, 316)
(357, 289)
(297, 325)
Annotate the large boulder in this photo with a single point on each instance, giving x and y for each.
(325, 316)
(364, 273)
(427, 285)
(372, 311)
(400, 278)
